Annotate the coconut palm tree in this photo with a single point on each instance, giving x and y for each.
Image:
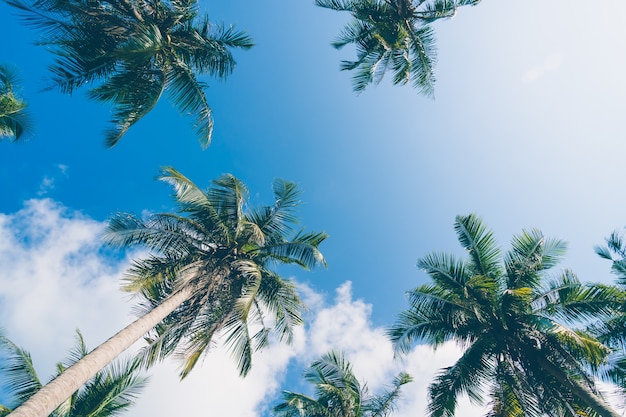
(338, 393)
(14, 121)
(130, 52)
(517, 327)
(208, 277)
(392, 35)
(110, 392)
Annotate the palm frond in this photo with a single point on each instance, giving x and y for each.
(480, 243)
(20, 379)
(339, 5)
(188, 95)
(111, 392)
(382, 405)
(468, 376)
(280, 298)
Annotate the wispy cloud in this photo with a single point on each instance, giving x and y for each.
(49, 181)
(551, 63)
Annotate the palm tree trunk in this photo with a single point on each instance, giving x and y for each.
(48, 398)
(594, 401)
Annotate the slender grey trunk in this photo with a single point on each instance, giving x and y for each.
(49, 397)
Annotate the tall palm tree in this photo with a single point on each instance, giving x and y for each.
(517, 328)
(392, 35)
(110, 392)
(208, 277)
(14, 121)
(131, 51)
(338, 393)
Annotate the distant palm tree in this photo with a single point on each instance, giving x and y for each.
(14, 121)
(392, 35)
(131, 51)
(110, 392)
(208, 276)
(521, 348)
(338, 393)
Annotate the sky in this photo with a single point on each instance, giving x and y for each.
(525, 129)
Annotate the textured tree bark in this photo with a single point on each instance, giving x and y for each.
(49, 397)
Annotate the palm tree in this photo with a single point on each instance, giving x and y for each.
(110, 392)
(612, 331)
(517, 329)
(131, 51)
(14, 120)
(208, 277)
(392, 35)
(338, 392)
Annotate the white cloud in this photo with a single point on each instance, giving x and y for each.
(53, 280)
(551, 63)
(48, 183)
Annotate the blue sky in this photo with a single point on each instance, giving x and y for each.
(526, 129)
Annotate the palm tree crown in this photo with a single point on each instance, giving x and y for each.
(110, 392)
(14, 120)
(392, 35)
(515, 326)
(338, 393)
(220, 253)
(131, 51)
